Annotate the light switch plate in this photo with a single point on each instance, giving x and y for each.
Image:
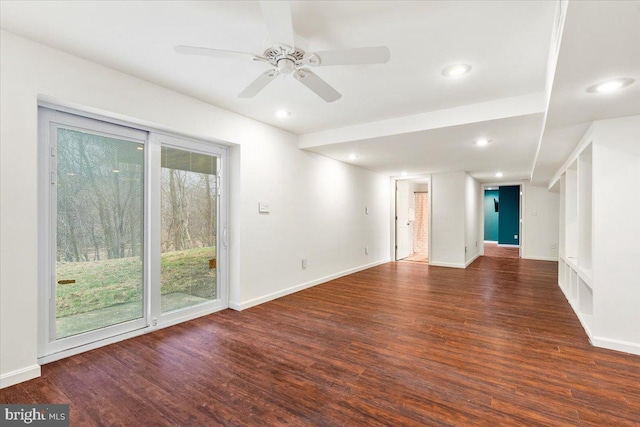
(263, 207)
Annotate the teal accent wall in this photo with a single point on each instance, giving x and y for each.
(509, 215)
(490, 215)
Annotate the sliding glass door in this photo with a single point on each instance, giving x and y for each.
(129, 231)
(99, 231)
(189, 214)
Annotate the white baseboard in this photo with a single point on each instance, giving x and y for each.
(504, 245)
(468, 263)
(446, 264)
(602, 342)
(541, 258)
(20, 375)
(239, 306)
(491, 241)
(611, 344)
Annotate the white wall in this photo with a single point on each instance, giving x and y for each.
(473, 209)
(540, 226)
(448, 219)
(317, 204)
(317, 212)
(616, 233)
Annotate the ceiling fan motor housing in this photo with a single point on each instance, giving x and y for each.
(284, 58)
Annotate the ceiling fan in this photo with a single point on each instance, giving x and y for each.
(286, 55)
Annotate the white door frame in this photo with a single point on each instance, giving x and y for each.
(392, 223)
(521, 228)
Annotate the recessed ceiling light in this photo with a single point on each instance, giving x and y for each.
(456, 70)
(610, 85)
(404, 173)
(482, 142)
(353, 156)
(282, 114)
(498, 174)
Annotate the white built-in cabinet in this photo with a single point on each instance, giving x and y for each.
(599, 244)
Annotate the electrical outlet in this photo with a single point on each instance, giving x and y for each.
(476, 243)
(553, 246)
(366, 210)
(304, 263)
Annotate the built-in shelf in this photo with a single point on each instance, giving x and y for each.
(571, 211)
(587, 323)
(599, 208)
(586, 274)
(585, 297)
(572, 261)
(585, 208)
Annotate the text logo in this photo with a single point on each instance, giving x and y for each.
(34, 415)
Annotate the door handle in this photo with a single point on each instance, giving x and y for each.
(66, 282)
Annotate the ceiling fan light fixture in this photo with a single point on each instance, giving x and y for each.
(456, 70)
(283, 114)
(482, 142)
(286, 53)
(499, 175)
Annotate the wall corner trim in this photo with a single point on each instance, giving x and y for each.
(20, 375)
(468, 263)
(239, 306)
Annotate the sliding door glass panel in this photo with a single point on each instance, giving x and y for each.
(99, 232)
(189, 214)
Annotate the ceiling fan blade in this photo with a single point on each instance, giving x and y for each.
(361, 55)
(216, 53)
(260, 83)
(317, 85)
(277, 15)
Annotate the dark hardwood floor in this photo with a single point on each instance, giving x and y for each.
(399, 344)
(493, 250)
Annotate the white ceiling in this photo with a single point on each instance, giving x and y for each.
(600, 41)
(430, 120)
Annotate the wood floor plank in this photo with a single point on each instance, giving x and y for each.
(399, 344)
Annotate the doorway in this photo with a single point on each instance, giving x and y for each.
(412, 220)
(502, 221)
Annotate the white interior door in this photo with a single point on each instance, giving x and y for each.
(402, 220)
